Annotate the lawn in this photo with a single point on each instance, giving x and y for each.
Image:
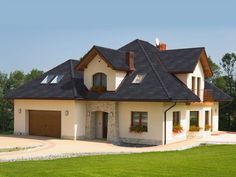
(212, 161)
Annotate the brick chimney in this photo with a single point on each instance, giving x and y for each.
(161, 46)
(130, 60)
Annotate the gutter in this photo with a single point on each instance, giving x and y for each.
(165, 121)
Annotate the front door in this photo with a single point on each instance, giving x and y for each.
(104, 124)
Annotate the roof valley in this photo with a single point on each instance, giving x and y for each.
(72, 79)
(155, 72)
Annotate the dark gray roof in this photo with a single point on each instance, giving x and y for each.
(70, 87)
(181, 60)
(158, 84)
(115, 57)
(218, 95)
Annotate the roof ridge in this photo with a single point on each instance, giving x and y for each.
(115, 50)
(182, 49)
(155, 72)
(72, 79)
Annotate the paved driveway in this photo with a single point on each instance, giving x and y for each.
(47, 148)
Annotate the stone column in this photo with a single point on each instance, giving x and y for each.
(90, 126)
(113, 124)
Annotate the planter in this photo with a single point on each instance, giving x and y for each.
(137, 129)
(177, 129)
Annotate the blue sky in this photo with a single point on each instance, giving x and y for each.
(42, 34)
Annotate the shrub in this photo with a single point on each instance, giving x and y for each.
(137, 129)
(207, 127)
(194, 128)
(177, 128)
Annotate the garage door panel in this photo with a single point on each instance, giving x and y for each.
(45, 123)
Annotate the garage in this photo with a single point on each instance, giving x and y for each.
(45, 123)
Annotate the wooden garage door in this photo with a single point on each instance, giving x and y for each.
(45, 123)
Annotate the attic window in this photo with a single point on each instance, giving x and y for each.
(138, 78)
(47, 79)
(57, 79)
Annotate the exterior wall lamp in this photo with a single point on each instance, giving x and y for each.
(88, 113)
(19, 110)
(111, 114)
(66, 113)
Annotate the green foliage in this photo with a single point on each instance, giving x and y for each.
(216, 70)
(7, 83)
(228, 64)
(203, 161)
(33, 74)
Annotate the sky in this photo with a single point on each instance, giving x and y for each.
(44, 33)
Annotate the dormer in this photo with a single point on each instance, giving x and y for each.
(190, 66)
(104, 69)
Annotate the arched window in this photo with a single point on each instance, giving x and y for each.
(100, 81)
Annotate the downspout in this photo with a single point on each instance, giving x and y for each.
(165, 121)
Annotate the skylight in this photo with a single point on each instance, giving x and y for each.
(57, 79)
(47, 79)
(138, 78)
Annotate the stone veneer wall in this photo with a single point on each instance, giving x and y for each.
(113, 124)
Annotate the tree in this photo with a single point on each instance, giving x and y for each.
(33, 74)
(228, 65)
(15, 79)
(216, 70)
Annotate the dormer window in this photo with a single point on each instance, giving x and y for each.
(57, 79)
(47, 79)
(138, 78)
(99, 82)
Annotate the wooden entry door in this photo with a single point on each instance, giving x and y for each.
(45, 123)
(104, 124)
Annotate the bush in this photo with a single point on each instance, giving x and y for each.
(194, 128)
(177, 128)
(137, 129)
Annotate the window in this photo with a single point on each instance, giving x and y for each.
(57, 79)
(206, 118)
(47, 79)
(176, 118)
(139, 119)
(138, 78)
(193, 84)
(194, 118)
(100, 80)
(198, 86)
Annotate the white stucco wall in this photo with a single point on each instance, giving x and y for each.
(215, 116)
(76, 117)
(114, 78)
(185, 119)
(155, 120)
(187, 79)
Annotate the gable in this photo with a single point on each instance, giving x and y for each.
(98, 65)
(205, 64)
(113, 58)
(179, 61)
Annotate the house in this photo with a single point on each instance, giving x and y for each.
(139, 93)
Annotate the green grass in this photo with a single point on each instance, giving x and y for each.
(204, 161)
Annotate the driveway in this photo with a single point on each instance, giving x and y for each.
(33, 147)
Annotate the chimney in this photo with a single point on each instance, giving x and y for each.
(130, 60)
(161, 46)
